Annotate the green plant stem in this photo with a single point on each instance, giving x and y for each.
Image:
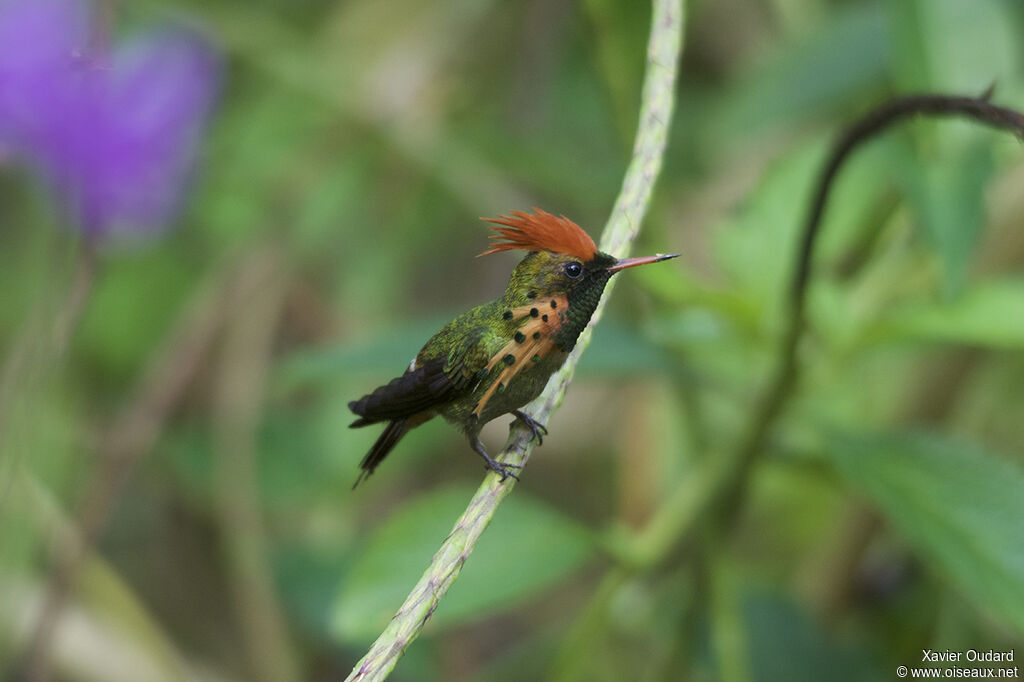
(718, 483)
(36, 353)
(588, 628)
(714, 489)
(729, 643)
(122, 446)
(238, 396)
(44, 340)
(657, 99)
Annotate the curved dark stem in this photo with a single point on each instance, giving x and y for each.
(874, 122)
(715, 498)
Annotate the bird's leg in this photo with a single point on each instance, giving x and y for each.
(502, 470)
(538, 429)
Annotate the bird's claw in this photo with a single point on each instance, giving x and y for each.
(503, 469)
(500, 468)
(536, 428)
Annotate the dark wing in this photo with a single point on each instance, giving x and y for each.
(436, 381)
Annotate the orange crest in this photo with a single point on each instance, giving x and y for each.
(541, 231)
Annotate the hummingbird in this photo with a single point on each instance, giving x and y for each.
(497, 357)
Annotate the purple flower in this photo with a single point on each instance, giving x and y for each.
(115, 134)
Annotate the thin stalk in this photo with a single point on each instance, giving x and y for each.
(718, 481)
(28, 364)
(864, 129)
(725, 479)
(657, 100)
(122, 446)
(238, 397)
(44, 339)
(590, 626)
(729, 642)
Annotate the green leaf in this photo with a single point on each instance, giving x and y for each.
(990, 314)
(146, 289)
(386, 354)
(757, 246)
(953, 46)
(846, 55)
(947, 192)
(528, 547)
(961, 508)
(619, 350)
(786, 644)
(956, 47)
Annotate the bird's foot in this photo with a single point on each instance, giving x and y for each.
(503, 469)
(538, 429)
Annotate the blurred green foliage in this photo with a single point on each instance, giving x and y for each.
(355, 145)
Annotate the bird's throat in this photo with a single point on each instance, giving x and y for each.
(582, 302)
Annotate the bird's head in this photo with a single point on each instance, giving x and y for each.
(563, 259)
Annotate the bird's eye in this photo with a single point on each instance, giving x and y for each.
(573, 269)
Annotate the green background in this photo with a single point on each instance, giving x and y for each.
(333, 226)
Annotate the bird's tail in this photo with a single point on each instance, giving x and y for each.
(388, 439)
